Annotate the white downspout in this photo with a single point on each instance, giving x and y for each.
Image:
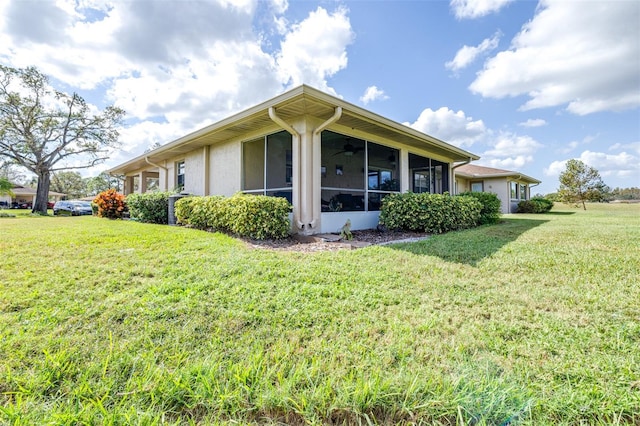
(296, 162)
(166, 171)
(453, 173)
(462, 164)
(317, 160)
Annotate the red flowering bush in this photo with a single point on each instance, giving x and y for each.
(111, 204)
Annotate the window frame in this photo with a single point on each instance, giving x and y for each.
(430, 172)
(180, 166)
(368, 195)
(513, 190)
(277, 191)
(523, 191)
(480, 182)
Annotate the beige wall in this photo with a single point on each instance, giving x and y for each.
(498, 186)
(217, 170)
(225, 168)
(194, 172)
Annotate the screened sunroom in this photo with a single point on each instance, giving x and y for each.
(332, 160)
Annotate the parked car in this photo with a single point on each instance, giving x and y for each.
(21, 205)
(72, 208)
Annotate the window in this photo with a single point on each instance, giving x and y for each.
(382, 173)
(477, 187)
(180, 175)
(153, 184)
(428, 175)
(267, 165)
(345, 186)
(523, 192)
(514, 190)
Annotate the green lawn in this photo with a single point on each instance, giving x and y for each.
(535, 320)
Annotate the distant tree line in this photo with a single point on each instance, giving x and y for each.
(65, 182)
(580, 183)
(625, 194)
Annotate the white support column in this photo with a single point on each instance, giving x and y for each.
(405, 174)
(306, 179)
(142, 182)
(128, 185)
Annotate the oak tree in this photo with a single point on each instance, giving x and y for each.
(41, 128)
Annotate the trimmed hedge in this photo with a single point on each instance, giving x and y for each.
(490, 212)
(535, 205)
(254, 216)
(150, 207)
(433, 213)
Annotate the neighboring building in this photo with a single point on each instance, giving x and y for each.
(510, 187)
(332, 160)
(24, 197)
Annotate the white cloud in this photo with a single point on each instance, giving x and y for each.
(555, 168)
(621, 166)
(184, 67)
(315, 49)
(571, 53)
(634, 146)
(467, 54)
(470, 9)
(533, 122)
(511, 151)
(450, 126)
(569, 147)
(373, 93)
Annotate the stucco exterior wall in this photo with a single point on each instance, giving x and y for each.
(225, 171)
(194, 172)
(498, 186)
(171, 175)
(462, 185)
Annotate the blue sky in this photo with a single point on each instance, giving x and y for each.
(526, 85)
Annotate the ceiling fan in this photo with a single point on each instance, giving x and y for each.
(349, 149)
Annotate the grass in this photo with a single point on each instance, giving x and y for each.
(535, 320)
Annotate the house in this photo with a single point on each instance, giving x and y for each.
(24, 197)
(510, 187)
(331, 159)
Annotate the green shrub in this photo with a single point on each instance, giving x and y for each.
(150, 207)
(434, 213)
(254, 216)
(183, 209)
(111, 204)
(490, 212)
(535, 205)
(257, 216)
(200, 212)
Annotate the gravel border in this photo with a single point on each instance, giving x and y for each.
(360, 239)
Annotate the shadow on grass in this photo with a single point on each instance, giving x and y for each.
(472, 245)
(560, 213)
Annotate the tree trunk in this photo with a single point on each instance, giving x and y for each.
(584, 206)
(42, 193)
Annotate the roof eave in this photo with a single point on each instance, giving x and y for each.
(307, 93)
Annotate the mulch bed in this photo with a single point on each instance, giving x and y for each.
(360, 239)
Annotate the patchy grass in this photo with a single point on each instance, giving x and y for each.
(535, 320)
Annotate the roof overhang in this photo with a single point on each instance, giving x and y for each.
(302, 100)
(513, 175)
